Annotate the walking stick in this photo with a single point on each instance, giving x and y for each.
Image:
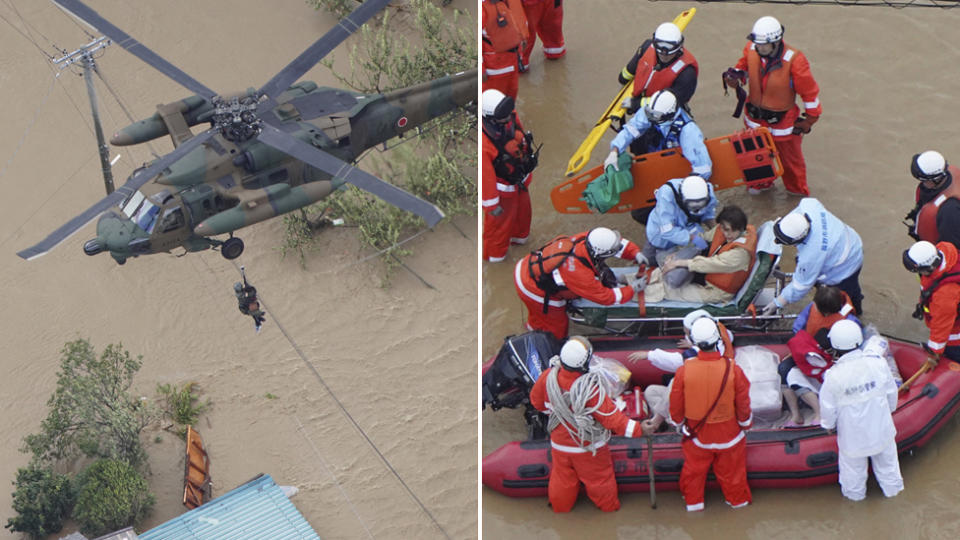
(650, 475)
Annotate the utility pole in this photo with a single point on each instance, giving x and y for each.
(84, 56)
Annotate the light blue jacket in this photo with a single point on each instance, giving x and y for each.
(830, 253)
(690, 140)
(668, 225)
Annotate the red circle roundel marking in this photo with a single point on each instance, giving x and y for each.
(402, 121)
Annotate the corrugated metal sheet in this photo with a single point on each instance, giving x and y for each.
(255, 510)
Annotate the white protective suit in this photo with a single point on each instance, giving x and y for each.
(857, 397)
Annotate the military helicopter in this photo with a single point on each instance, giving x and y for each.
(268, 151)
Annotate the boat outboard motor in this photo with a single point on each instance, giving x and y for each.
(518, 365)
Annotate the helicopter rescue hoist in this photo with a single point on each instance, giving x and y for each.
(267, 151)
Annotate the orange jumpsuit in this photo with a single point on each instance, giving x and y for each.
(572, 463)
(719, 439)
(773, 86)
(513, 223)
(504, 36)
(545, 19)
(578, 278)
(941, 304)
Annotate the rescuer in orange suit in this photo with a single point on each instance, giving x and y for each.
(936, 216)
(504, 36)
(582, 418)
(710, 400)
(775, 73)
(572, 267)
(507, 164)
(545, 19)
(939, 270)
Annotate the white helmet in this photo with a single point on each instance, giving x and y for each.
(791, 229)
(694, 193)
(662, 107)
(576, 353)
(692, 317)
(704, 333)
(929, 165)
(922, 257)
(845, 335)
(766, 30)
(668, 38)
(603, 242)
(496, 104)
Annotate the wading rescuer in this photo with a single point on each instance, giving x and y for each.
(661, 63)
(545, 18)
(507, 162)
(858, 397)
(572, 267)
(582, 418)
(775, 74)
(247, 301)
(936, 216)
(504, 36)
(710, 400)
(939, 271)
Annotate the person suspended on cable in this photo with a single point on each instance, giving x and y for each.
(936, 215)
(247, 301)
(663, 125)
(660, 63)
(581, 419)
(828, 251)
(938, 267)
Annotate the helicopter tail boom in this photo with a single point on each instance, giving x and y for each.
(399, 111)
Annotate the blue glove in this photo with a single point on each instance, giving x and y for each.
(699, 242)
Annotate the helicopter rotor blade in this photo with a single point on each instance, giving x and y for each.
(138, 179)
(341, 169)
(320, 48)
(81, 11)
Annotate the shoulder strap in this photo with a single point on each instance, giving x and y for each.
(723, 385)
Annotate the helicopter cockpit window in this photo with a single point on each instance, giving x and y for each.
(172, 219)
(146, 215)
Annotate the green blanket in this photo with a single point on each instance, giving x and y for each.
(603, 193)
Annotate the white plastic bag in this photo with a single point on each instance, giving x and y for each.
(876, 345)
(759, 364)
(615, 376)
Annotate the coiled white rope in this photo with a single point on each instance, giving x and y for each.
(570, 410)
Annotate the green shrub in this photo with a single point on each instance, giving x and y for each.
(111, 495)
(182, 405)
(42, 501)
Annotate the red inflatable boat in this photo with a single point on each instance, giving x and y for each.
(779, 458)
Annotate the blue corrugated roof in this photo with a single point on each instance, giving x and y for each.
(255, 510)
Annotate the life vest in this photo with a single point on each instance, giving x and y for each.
(926, 222)
(505, 25)
(771, 87)
(648, 79)
(930, 284)
(732, 281)
(515, 155)
(802, 344)
(541, 265)
(818, 320)
(652, 140)
(702, 384)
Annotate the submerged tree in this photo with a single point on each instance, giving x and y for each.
(91, 412)
(111, 495)
(42, 501)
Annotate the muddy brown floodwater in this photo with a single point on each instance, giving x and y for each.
(889, 90)
(401, 360)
